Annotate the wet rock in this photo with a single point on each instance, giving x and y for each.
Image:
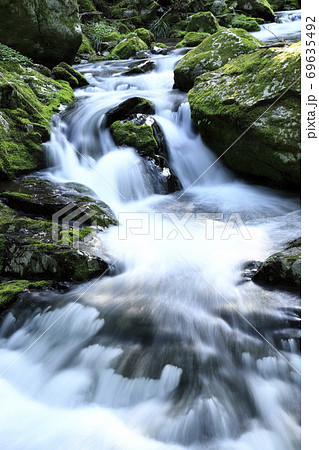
(37, 249)
(159, 49)
(142, 54)
(283, 268)
(237, 98)
(130, 106)
(145, 67)
(38, 197)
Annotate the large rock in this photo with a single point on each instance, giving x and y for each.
(256, 98)
(214, 52)
(27, 101)
(48, 31)
(255, 8)
(204, 22)
(283, 268)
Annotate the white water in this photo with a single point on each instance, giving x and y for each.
(157, 356)
(287, 26)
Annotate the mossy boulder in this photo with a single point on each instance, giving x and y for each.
(192, 39)
(146, 35)
(29, 252)
(203, 22)
(27, 101)
(50, 238)
(138, 131)
(214, 52)
(65, 72)
(246, 23)
(48, 31)
(255, 8)
(128, 48)
(259, 95)
(133, 105)
(283, 268)
(143, 133)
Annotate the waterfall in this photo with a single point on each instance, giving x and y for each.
(164, 354)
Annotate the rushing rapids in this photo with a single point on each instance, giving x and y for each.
(175, 348)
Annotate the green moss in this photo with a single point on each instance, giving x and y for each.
(139, 137)
(86, 46)
(146, 35)
(192, 39)
(9, 54)
(237, 97)
(86, 6)
(247, 23)
(127, 48)
(61, 74)
(10, 290)
(160, 45)
(214, 52)
(65, 72)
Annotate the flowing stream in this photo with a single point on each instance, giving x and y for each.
(176, 348)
